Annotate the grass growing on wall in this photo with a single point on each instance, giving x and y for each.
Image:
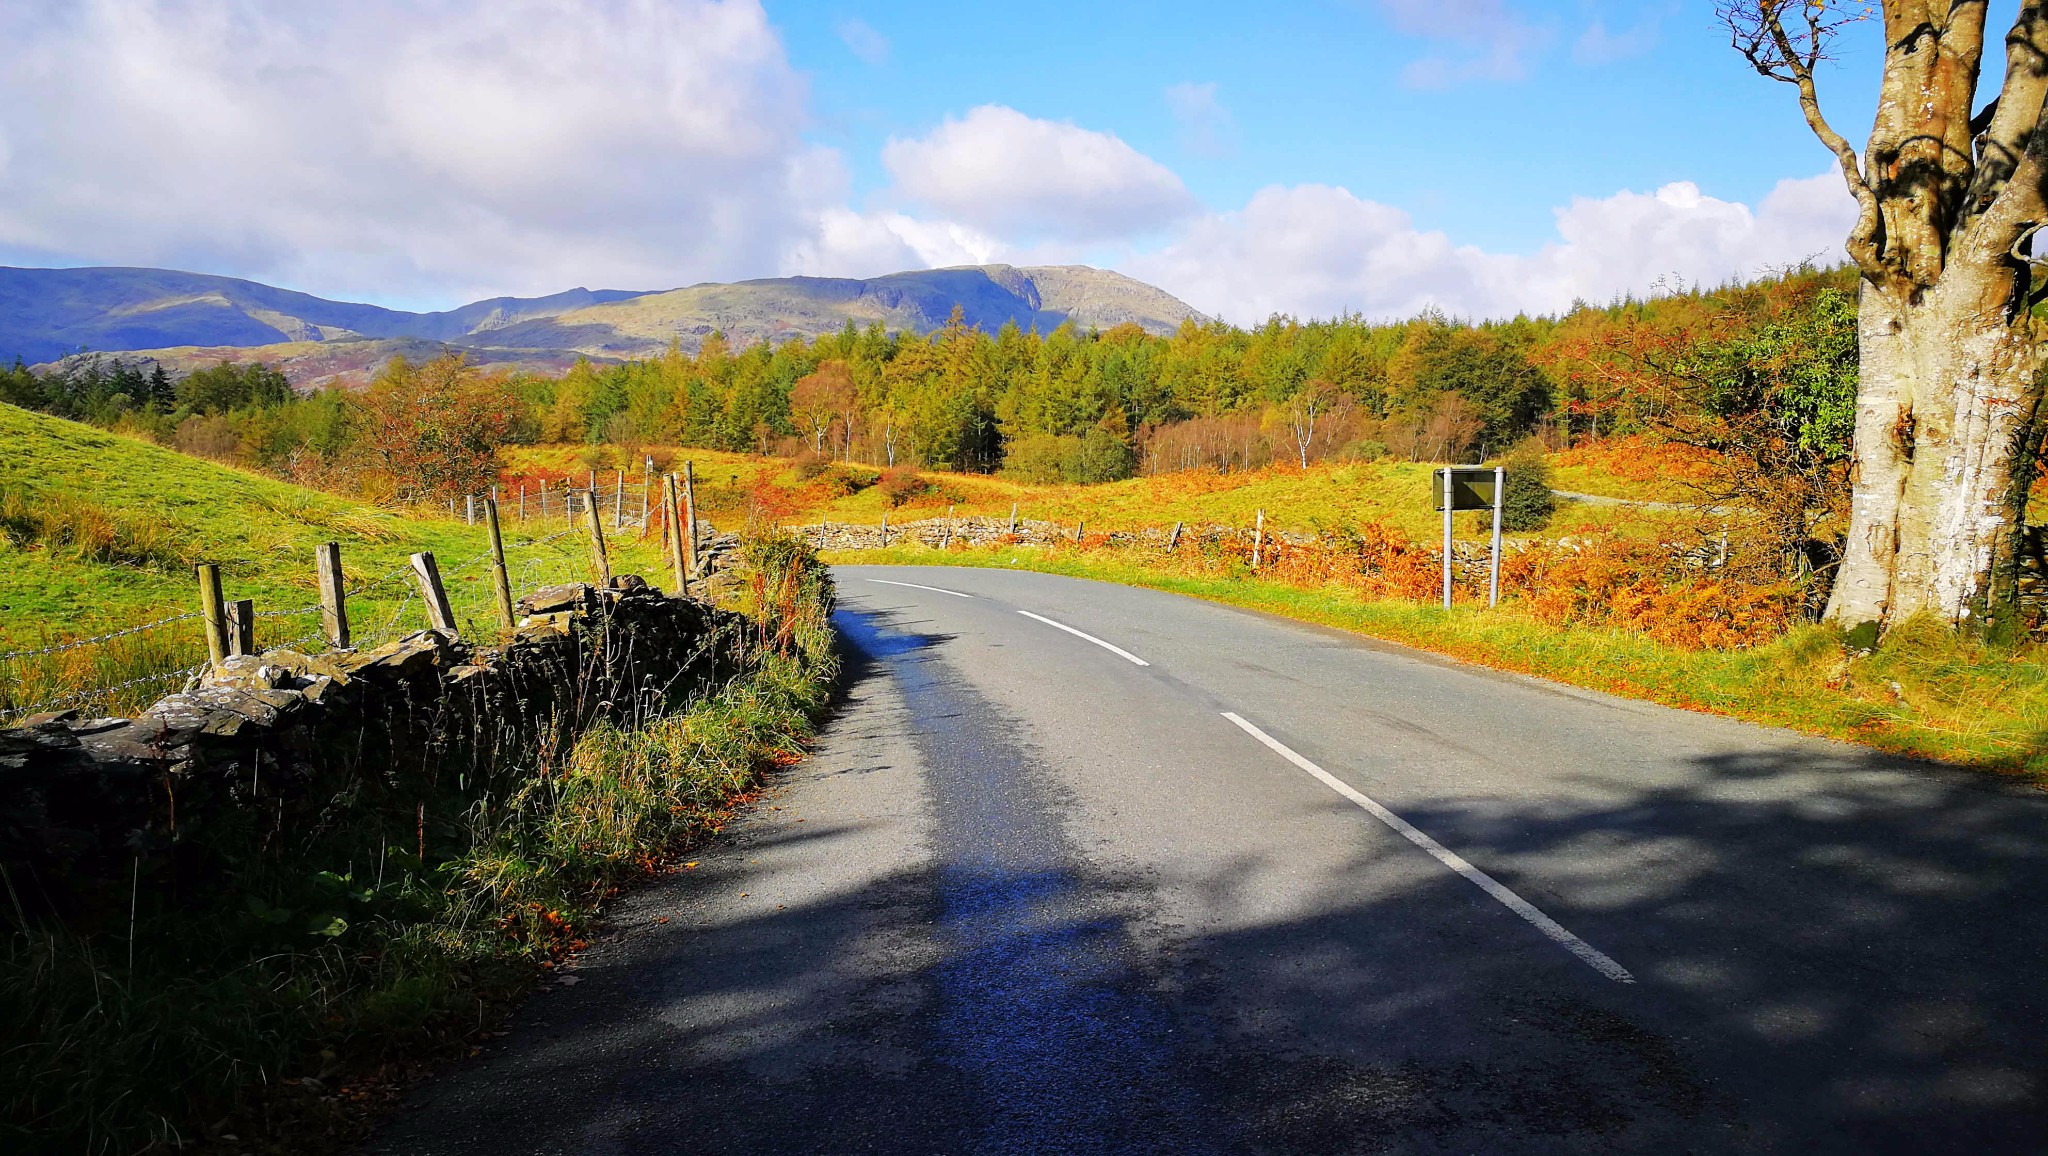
(1925, 691)
(281, 1013)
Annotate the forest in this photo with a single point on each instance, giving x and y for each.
(1764, 371)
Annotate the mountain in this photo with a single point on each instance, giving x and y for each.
(184, 319)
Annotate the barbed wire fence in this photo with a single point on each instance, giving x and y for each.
(124, 669)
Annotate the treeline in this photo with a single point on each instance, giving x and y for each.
(1765, 370)
(1095, 406)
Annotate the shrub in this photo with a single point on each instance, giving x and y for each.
(1528, 503)
(901, 485)
(810, 463)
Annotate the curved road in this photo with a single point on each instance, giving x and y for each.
(1083, 868)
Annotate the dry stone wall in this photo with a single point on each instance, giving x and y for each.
(282, 746)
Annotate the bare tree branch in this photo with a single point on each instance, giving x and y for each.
(1759, 35)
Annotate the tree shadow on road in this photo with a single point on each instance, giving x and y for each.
(1835, 951)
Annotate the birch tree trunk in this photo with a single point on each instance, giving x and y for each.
(1950, 356)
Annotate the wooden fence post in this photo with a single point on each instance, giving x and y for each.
(619, 504)
(946, 538)
(1173, 539)
(333, 594)
(690, 514)
(1080, 527)
(543, 499)
(500, 580)
(885, 529)
(522, 501)
(241, 627)
(469, 509)
(673, 541)
(1258, 539)
(440, 615)
(214, 612)
(1013, 517)
(598, 558)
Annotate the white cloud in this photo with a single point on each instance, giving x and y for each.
(1001, 171)
(1206, 127)
(1316, 250)
(1596, 45)
(1486, 40)
(863, 41)
(425, 151)
(851, 244)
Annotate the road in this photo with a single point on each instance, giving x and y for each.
(1242, 885)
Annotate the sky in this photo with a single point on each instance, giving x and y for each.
(1380, 157)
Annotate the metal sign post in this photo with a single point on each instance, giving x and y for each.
(1450, 504)
(1470, 488)
(1500, 490)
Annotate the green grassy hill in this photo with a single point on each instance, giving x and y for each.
(100, 533)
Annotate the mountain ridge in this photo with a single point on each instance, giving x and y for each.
(180, 319)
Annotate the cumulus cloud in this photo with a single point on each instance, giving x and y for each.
(1001, 171)
(1317, 250)
(433, 150)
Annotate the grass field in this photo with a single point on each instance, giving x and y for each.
(100, 533)
(1325, 496)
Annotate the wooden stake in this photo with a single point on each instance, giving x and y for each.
(333, 594)
(690, 514)
(1173, 539)
(214, 612)
(241, 627)
(674, 542)
(946, 539)
(500, 580)
(1080, 526)
(619, 504)
(469, 509)
(885, 529)
(598, 558)
(1258, 539)
(522, 501)
(1013, 517)
(440, 615)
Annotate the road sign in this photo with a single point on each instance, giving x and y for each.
(1471, 488)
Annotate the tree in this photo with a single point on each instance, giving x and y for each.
(821, 398)
(232, 385)
(436, 427)
(1310, 404)
(1947, 425)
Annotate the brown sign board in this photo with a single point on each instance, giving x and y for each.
(1471, 488)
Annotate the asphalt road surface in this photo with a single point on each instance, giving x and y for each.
(1081, 868)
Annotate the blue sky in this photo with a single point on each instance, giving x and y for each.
(1482, 157)
(1605, 96)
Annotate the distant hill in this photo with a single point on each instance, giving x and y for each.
(183, 319)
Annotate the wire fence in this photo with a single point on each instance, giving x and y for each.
(119, 671)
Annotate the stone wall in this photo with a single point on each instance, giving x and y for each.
(283, 747)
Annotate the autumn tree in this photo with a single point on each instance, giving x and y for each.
(436, 427)
(822, 398)
(1949, 202)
